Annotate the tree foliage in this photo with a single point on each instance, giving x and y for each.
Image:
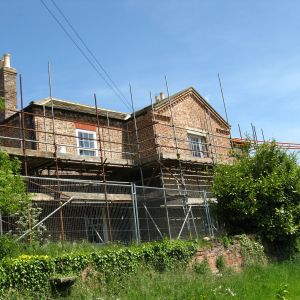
(13, 197)
(28, 218)
(260, 193)
(2, 105)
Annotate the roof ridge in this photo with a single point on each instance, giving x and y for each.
(164, 102)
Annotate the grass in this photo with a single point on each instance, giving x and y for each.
(275, 281)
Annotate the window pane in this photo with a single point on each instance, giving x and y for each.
(86, 141)
(198, 146)
(87, 152)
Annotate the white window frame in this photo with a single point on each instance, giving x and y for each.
(202, 152)
(87, 149)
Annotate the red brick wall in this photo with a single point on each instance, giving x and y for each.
(12, 132)
(66, 124)
(232, 256)
(9, 131)
(189, 114)
(145, 136)
(118, 142)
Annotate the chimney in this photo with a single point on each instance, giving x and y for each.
(160, 97)
(8, 88)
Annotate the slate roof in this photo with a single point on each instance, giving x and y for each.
(87, 109)
(77, 107)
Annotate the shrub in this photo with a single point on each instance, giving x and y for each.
(202, 268)
(260, 193)
(252, 251)
(26, 272)
(7, 246)
(227, 241)
(220, 263)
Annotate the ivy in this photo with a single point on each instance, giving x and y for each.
(32, 273)
(252, 251)
(26, 272)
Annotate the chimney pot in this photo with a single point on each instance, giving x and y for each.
(162, 96)
(6, 60)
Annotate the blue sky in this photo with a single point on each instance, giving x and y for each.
(254, 45)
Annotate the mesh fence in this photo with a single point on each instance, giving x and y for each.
(172, 213)
(100, 212)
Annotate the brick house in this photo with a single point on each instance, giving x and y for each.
(172, 143)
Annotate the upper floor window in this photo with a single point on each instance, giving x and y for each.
(198, 145)
(86, 142)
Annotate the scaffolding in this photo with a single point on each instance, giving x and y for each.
(167, 177)
(137, 213)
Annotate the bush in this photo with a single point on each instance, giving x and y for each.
(252, 251)
(202, 268)
(260, 193)
(26, 272)
(220, 263)
(7, 246)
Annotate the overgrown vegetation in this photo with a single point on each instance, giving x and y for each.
(107, 270)
(252, 251)
(32, 272)
(260, 193)
(274, 281)
(2, 103)
(202, 267)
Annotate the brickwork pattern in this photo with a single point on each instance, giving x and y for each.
(8, 91)
(189, 113)
(232, 256)
(65, 125)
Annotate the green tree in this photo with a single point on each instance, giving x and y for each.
(2, 105)
(260, 193)
(13, 196)
(28, 218)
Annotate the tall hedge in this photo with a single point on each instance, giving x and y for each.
(260, 193)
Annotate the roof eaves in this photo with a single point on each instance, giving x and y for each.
(80, 107)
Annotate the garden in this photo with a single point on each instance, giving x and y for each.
(258, 207)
